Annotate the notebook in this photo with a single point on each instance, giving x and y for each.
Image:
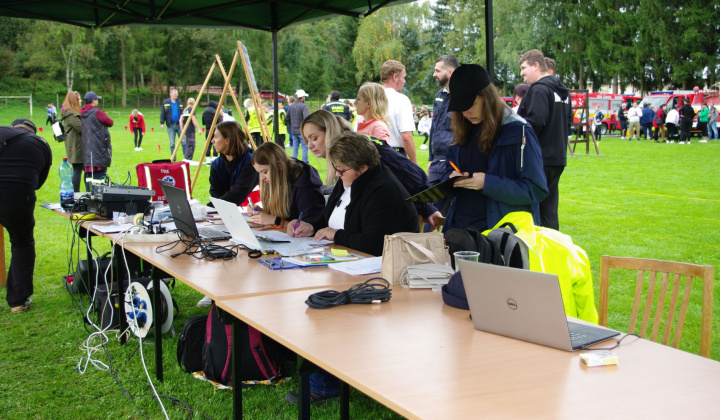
(525, 305)
(234, 221)
(182, 214)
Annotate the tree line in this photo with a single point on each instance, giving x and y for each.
(647, 44)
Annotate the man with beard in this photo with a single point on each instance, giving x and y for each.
(441, 134)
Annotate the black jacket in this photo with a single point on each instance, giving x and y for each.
(687, 113)
(232, 180)
(209, 114)
(546, 106)
(166, 111)
(377, 208)
(25, 161)
(305, 195)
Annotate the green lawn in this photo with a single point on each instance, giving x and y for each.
(639, 199)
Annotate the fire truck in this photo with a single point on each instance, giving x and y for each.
(673, 99)
(609, 104)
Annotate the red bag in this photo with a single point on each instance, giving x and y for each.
(177, 174)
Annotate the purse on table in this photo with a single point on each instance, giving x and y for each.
(401, 250)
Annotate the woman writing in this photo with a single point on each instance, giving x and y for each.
(371, 104)
(232, 176)
(321, 128)
(496, 148)
(288, 187)
(366, 204)
(73, 136)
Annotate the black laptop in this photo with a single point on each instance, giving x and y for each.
(184, 220)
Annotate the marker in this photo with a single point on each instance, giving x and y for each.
(454, 166)
(252, 206)
(297, 224)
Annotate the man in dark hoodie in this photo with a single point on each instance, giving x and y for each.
(97, 149)
(546, 106)
(207, 118)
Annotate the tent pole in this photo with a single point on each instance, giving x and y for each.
(276, 121)
(489, 48)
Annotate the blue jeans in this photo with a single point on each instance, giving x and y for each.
(712, 131)
(324, 384)
(298, 141)
(173, 130)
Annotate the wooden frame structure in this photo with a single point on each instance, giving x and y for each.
(582, 136)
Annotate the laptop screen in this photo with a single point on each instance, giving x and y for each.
(180, 210)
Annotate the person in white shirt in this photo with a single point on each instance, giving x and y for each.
(671, 122)
(400, 115)
(634, 114)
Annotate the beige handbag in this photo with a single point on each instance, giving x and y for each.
(404, 249)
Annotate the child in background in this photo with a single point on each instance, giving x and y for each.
(372, 105)
(51, 112)
(424, 128)
(137, 126)
(189, 140)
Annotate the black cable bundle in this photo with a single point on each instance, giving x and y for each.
(365, 292)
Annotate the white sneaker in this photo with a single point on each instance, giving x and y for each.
(204, 302)
(423, 146)
(702, 141)
(671, 141)
(287, 146)
(136, 149)
(139, 149)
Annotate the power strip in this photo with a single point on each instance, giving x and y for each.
(144, 237)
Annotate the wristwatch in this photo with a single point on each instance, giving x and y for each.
(278, 221)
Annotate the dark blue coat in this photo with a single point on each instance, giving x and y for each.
(514, 177)
(232, 180)
(441, 136)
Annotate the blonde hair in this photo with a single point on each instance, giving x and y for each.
(72, 101)
(375, 94)
(134, 112)
(275, 196)
(191, 101)
(332, 125)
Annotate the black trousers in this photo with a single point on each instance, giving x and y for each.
(280, 139)
(16, 215)
(685, 130)
(78, 169)
(137, 131)
(549, 206)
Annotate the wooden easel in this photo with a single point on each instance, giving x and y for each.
(197, 102)
(582, 136)
(254, 92)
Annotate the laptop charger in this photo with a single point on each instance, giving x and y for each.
(218, 253)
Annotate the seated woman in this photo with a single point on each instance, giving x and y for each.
(288, 187)
(496, 148)
(321, 128)
(232, 176)
(366, 205)
(372, 104)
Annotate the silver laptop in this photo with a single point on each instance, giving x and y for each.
(526, 305)
(234, 221)
(183, 217)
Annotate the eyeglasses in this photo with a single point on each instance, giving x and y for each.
(341, 172)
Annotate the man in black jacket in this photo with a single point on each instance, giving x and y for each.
(172, 109)
(546, 107)
(687, 114)
(25, 161)
(207, 118)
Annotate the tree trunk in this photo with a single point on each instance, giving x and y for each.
(123, 102)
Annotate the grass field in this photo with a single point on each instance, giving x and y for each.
(638, 199)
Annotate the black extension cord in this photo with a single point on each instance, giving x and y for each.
(365, 292)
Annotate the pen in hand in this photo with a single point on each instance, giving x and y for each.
(297, 224)
(455, 167)
(252, 206)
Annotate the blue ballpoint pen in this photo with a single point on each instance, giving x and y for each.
(297, 224)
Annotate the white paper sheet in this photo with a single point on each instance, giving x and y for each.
(359, 267)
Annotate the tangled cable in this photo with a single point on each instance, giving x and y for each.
(364, 292)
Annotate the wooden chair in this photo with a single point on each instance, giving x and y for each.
(439, 222)
(663, 296)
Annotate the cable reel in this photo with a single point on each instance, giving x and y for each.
(138, 309)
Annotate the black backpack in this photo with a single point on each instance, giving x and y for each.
(259, 355)
(513, 251)
(469, 238)
(191, 343)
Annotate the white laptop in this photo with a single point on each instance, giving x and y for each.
(235, 223)
(525, 305)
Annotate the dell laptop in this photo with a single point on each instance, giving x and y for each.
(184, 220)
(525, 305)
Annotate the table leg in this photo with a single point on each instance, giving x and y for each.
(158, 330)
(122, 319)
(344, 401)
(237, 385)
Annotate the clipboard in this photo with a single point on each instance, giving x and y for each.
(436, 192)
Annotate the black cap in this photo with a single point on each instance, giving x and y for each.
(465, 83)
(26, 123)
(334, 95)
(453, 293)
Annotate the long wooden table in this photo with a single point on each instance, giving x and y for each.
(424, 360)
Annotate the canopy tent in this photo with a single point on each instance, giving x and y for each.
(269, 16)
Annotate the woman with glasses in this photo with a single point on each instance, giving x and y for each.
(367, 203)
(288, 188)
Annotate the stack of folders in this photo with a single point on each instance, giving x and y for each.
(321, 256)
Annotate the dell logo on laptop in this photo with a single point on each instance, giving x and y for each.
(512, 304)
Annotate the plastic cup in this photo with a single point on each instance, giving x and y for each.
(465, 255)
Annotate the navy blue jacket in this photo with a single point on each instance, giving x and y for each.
(441, 136)
(514, 177)
(647, 115)
(305, 195)
(377, 208)
(232, 180)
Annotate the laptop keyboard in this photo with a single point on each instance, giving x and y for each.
(576, 336)
(210, 233)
